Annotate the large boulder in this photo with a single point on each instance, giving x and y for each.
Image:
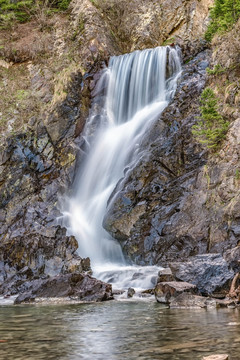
(209, 272)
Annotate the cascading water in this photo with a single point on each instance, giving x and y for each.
(138, 87)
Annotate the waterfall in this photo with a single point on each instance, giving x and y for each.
(131, 94)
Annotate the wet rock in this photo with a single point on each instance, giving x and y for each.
(77, 286)
(209, 272)
(165, 275)
(216, 357)
(186, 300)
(232, 257)
(130, 292)
(166, 291)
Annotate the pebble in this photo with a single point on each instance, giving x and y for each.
(216, 357)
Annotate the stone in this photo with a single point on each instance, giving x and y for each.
(216, 357)
(186, 300)
(75, 286)
(165, 275)
(232, 257)
(166, 291)
(130, 292)
(209, 272)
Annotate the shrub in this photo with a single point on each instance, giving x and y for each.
(23, 10)
(211, 128)
(223, 15)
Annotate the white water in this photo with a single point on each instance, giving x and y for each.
(139, 86)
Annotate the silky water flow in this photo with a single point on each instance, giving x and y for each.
(131, 94)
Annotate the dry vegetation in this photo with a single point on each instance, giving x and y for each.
(35, 63)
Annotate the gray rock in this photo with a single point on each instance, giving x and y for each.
(186, 300)
(77, 286)
(130, 292)
(165, 275)
(166, 291)
(209, 272)
(232, 257)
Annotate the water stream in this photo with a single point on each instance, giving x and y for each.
(131, 94)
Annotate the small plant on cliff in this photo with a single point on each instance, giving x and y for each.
(223, 15)
(211, 128)
(217, 70)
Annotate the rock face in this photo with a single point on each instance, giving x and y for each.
(209, 272)
(76, 286)
(139, 24)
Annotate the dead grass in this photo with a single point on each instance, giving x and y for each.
(25, 42)
(37, 73)
(17, 102)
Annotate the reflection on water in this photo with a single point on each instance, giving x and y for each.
(116, 331)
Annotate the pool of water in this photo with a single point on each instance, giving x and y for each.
(116, 330)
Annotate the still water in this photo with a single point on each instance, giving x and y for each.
(116, 330)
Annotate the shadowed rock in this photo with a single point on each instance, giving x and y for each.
(77, 286)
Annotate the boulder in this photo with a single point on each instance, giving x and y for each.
(166, 291)
(74, 286)
(209, 272)
(186, 300)
(165, 275)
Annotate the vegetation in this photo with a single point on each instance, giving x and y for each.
(211, 127)
(23, 10)
(217, 70)
(224, 15)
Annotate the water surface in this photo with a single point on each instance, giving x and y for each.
(116, 330)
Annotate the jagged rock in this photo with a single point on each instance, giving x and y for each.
(77, 286)
(209, 272)
(165, 291)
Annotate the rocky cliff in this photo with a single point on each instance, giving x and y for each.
(182, 201)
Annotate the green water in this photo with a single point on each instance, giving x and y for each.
(116, 331)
